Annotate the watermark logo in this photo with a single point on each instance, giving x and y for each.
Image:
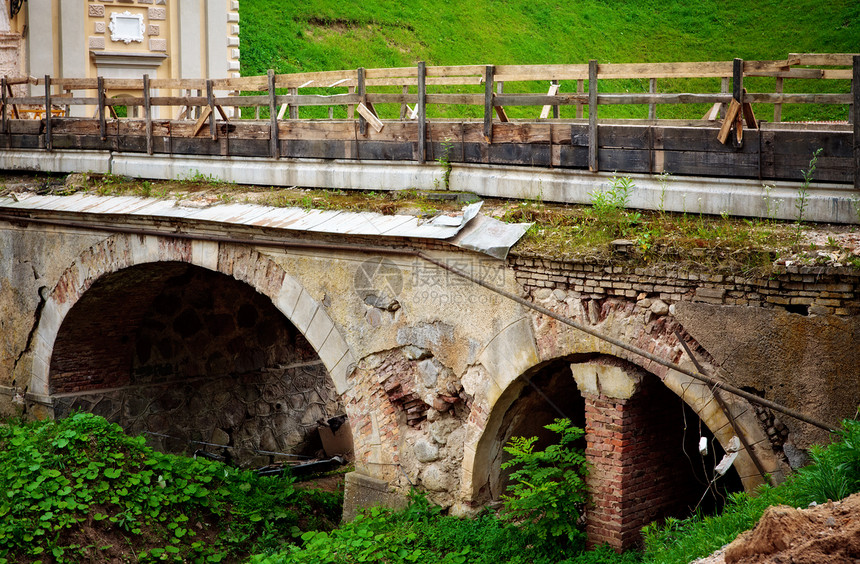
(378, 275)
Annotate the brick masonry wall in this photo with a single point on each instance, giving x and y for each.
(812, 290)
(176, 350)
(639, 472)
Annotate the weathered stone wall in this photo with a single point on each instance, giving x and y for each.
(432, 370)
(788, 337)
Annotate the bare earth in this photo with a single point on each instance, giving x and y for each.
(824, 534)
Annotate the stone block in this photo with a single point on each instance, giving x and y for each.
(96, 42)
(157, 13)
(306, 308)
(598, 379)
(510, 353)
(158, 45)
(361, 491)
(96, 11)
(319, 329)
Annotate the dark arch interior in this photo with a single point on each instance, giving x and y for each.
(672, 478)
(548, 393)
(680, 477)
(189, 357)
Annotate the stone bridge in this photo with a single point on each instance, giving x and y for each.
(247, 346)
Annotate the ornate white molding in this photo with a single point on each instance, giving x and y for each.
(126, 27)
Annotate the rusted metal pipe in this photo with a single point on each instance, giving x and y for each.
(420, 254)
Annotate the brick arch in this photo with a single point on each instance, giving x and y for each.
(244, 264)
(524, 346)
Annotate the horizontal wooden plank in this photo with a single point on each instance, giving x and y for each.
(664, 70)
(465, 99)
(460, 70)
(514, 73)
(824, 59)
(792, 98)
(804, 143)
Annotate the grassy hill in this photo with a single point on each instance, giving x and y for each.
(296, 36)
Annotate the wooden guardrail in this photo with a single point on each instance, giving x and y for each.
(204, 99)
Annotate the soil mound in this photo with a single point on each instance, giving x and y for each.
(824, 534)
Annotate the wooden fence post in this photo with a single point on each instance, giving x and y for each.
(362, 95)
(102, 125)
(48, 140)
(294, 109)
(580, 89)
(856, 85)
(422, 112)
(652, 107)
(555, 110)
(488, 103)
(210, 99)
(738, 81)
(777, 108)
(592, 116)
(147, 112)
(273, 118)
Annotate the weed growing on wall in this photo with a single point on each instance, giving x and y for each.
(803, 194)
(609, 206)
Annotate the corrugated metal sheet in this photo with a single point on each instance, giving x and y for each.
(468, 230)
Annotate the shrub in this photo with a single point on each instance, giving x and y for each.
(549, 490)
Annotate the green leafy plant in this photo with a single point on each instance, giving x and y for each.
(444, 161)
(609, 206)
(83, 473)
(548, 491)
(803, 194)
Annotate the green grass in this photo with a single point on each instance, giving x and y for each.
(294, 36)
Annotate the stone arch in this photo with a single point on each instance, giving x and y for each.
(530, 342)
(240, 263)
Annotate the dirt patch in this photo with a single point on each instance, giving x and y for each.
(825, 534)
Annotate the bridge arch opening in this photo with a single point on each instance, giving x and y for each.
(641, 443)
(194, 359)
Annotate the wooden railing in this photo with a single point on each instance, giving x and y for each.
(481, 86)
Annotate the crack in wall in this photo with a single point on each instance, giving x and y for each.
(37, 316)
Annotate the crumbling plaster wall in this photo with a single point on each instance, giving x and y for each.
(809, 363)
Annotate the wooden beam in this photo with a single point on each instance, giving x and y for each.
(147, 113)
(592, 116)
(777, 108)
(274, 149)
(404, 108)
(652, 107)
(580, 89)
(711, 115)
(371, 118)
(201, 121)
(210, 101)
(488, 103)
(824, 59)
(749, 116)
(48, 139)
(728, 121)
(294, 109)
(738, 80)
(362, 96)
(553, 90)
(421, 109)
(500, 111)
(555, 109)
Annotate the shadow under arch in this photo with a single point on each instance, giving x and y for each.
(125, 276)
(664, 427)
